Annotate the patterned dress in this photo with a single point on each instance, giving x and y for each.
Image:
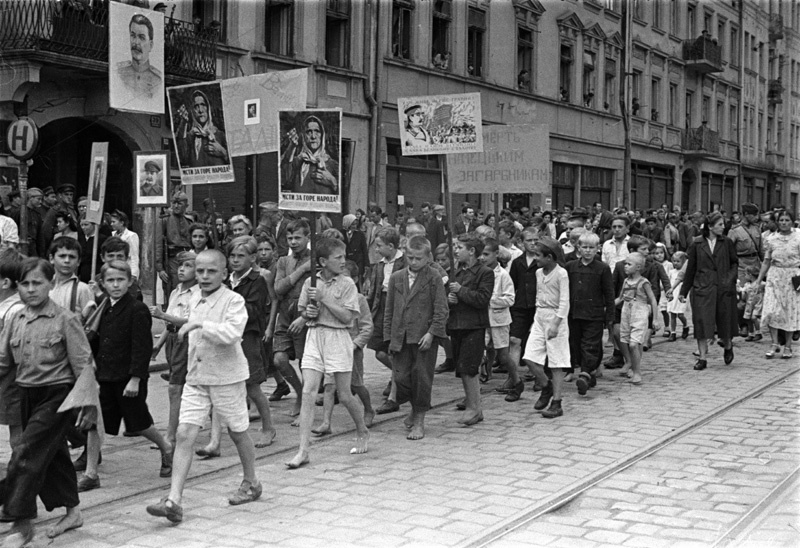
(781, 308)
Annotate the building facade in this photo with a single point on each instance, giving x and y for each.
(704, 94)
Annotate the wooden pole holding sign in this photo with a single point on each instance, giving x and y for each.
(448, 211)
(98, 170)
(23, 212)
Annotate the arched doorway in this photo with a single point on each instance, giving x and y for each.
(64, 156)
(687, 188)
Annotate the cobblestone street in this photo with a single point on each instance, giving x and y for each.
(686, 458)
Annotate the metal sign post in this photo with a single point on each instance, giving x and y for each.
(23, 140)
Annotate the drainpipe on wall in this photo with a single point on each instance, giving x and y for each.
(739, 131)
(372, 19)
(624, 102)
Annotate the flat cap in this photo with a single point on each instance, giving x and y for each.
(180, 196)
(48, 190)
(67, 187)
(268, 206)
(152, 166)
(33, 191)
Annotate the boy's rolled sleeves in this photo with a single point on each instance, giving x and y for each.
(215, 353)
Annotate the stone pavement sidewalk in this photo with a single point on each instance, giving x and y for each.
(458, 486)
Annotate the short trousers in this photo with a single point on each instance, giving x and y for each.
(468, 346)
(116, 407)
(499, 336)
(282, 341)
(356, 375)
(754, 307)
(376, 341)
(521, 322)
(177, 353)
(539, 348)
(328, 350)
(229, 401)
(253, 348)
(634, 324)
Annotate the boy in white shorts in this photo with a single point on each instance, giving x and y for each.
(549, 338)
(329, 309)
(216, 376)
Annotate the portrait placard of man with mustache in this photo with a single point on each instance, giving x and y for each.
(136, 69)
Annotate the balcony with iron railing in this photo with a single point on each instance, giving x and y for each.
(700, 141)
(48, 30)
(775, 27)
(703, 54)
(775, 91)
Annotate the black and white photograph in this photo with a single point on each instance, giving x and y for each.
(252, 112)
(98, 175)
(152, 175)
(136, 59)
(198, 126)
(310, 156)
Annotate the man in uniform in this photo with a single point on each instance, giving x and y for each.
(35, 196)
(137, 75)
(746, 237)
(50, 199)
(66, 196)
(151, 184)
(15, 204)
(172, 237)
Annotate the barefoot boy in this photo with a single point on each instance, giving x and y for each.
(638, 303)
(217, 373)
(329, 310)
(416, 316)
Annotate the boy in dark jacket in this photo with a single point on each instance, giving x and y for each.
(471, 289)
(122, 355)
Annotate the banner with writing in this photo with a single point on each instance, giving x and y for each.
(515, 159)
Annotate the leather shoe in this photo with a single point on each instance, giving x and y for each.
(583, 383)
(444, 367)
(515, 393)
(165, 508)
(614, 362)
(87, 483)
(728, 355)
(389, 406)
(280, 391)
(700, 365)
(544, 397)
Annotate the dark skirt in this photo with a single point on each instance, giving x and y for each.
(714, 312)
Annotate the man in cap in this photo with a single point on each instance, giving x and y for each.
(35, 196)
(172, 237)
(746, 237)
(137, 75)
(65, 204)
(151, 184)
(48, 201)
(437, 227)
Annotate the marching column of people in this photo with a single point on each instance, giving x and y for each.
(533, 291)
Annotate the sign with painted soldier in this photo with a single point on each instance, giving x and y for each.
(310, 159)
(135, 59)
(198, 128)
(515, 159)
(98, 172)
(440, 124)
(251, 103)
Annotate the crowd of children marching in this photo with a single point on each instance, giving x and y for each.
(503, 297)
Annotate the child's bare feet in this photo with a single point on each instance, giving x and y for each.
(417, 432)
(72, 520)
(408, 422)
(322, 430)
(295, 422)
(266, 438)
(623, 372)
(636, 379)
(369, 418)
(300, 459)
(629, 374)
(295, 410)
(362, 442)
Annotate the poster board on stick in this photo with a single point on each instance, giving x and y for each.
(150, 188)
(440, 124)
(98, 172)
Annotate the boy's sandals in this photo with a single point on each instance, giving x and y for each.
(248, 492)
(165, 508)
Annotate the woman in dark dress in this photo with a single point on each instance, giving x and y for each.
(711, 276)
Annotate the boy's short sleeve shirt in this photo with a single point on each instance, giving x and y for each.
(342, 290)
(179, 301)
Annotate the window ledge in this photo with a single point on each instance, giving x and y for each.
(340, 71)
(640, 22)
(593, 5)
(658, 30)
(284, 59)
(612, 15)
(675, 38)
(227, 48)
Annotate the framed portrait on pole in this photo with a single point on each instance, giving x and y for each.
(151, 178)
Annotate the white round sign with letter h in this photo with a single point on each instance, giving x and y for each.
(22, 138)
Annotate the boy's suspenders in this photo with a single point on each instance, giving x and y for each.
(74, 296)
